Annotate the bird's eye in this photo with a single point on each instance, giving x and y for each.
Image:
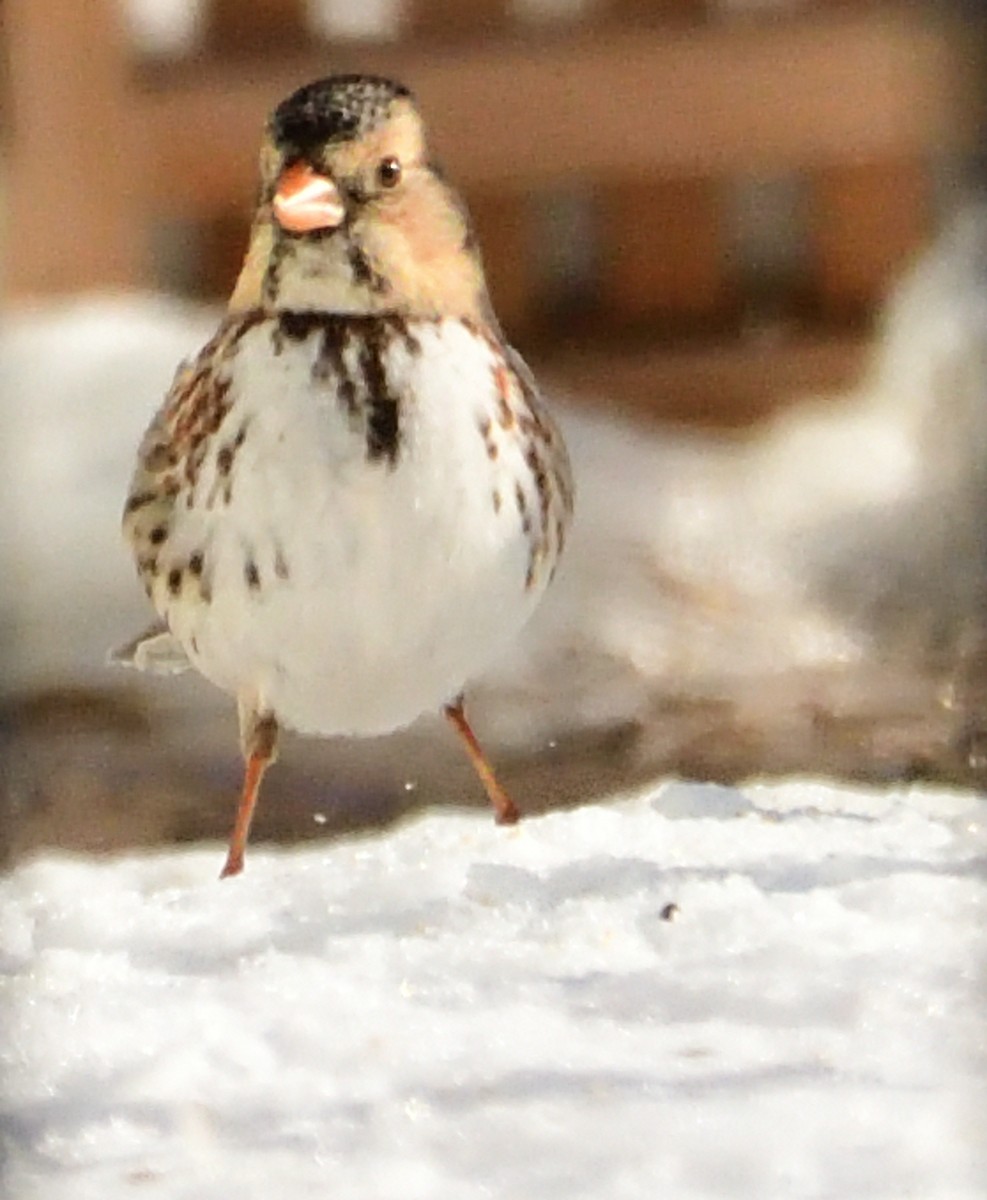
(388, 172)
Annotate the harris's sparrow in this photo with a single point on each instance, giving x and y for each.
(352, 498)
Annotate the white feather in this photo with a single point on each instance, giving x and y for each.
(404, 580)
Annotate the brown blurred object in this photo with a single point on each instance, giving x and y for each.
(662, 254)
(661, 10)
(867, 220)
(651, 110)
(74, 202)
(453, 18)
(234, 27)
(502, 229)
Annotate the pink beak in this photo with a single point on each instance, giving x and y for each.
(306, 201)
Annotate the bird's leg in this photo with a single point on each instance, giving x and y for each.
(505, 811)
(259, 739)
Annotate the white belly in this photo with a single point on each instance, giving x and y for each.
(344, 593)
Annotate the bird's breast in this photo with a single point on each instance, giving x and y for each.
(376, 515)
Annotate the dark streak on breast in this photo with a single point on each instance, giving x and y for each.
(139, 500)
(196, 407)
(401, 330)
(559, 534)
(347, 393)
(363, 387)
(485, 427)
(382, 405)
(159, 458)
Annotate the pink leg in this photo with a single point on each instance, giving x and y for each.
(260, 737)
(505, 810)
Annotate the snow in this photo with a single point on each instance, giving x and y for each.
(67, 450)
(458, 1010)
(684, 990)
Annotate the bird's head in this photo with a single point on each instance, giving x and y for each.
(353, 217)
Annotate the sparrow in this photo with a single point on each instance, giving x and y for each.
(352, 497)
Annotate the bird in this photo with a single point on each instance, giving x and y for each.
(353, 497)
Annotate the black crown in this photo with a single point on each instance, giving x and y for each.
(336, 109)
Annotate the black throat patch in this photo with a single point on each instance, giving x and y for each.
(351, 357)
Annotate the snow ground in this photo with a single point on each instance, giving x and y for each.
(456, 1010)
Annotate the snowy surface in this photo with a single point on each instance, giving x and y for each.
(455, 1010)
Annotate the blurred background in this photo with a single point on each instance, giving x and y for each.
(740, 242)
